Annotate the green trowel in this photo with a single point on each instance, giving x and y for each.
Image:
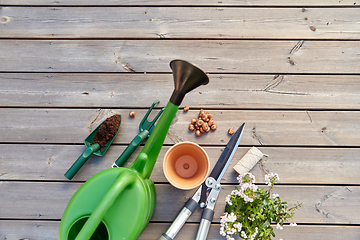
(90, 149)
(118, 203)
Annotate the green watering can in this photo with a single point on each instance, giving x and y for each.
(118, 203)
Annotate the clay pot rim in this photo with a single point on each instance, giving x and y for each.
(197, 184)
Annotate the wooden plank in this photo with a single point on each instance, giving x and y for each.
(191, 22)
(281, 128)
(43, 201)
(223, 91)
(18, 229)
(153, 231)
(225, 56)
(320, 204)
(50, 162)
(181, 2)
(46, 230)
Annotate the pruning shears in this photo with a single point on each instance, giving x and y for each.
(207, 195)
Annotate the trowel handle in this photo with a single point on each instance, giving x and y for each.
(131, 148)
(81, 161)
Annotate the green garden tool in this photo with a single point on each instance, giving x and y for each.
(90, 149)
(146, 129)
(118, 203)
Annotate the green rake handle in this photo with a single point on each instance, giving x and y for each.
(131, 148)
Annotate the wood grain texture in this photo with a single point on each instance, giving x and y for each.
(294, 165)
(48, 230)
(300, 3)
(175, 22)
(45, 201)
(235, 91)
(289, 69)
(281, 128)
(219, 56)
(294, 233)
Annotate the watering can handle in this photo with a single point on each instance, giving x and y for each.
(131, 148)
(81, 161)
(122, 181)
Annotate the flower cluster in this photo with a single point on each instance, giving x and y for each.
(251, 210)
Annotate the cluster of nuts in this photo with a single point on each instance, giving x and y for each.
(203, 124)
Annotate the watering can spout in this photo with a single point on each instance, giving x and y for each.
(186, 78)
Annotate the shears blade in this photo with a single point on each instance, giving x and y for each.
(229, 152)
(224, 160)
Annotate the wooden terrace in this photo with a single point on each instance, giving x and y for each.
(289, 69)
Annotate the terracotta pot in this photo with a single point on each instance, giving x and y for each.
(186, 165)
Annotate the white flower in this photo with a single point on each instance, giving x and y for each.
(231, 217)
(248, 199)
(228, 200)
(245, 186)
(254, 235)
(238, 226)
(251, 177)
(278, 226)
(231, 231)
(275, 195)
(277, 178)
(267, 177)
(222, 231)
(243, 234)
(223, 220)
(234, 192)
(229, 237)
(242, 195)
(239, 178)
(253, 187)
(270, 176)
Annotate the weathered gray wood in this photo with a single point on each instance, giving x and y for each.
(287, 128)
(18, 229)
(170, 22)
(48, 230)
(43, 201)
(272, 64)
(153, 231)
(140, 90)
(294, 165)
(181, 2)
(225, 56)
(320, 204)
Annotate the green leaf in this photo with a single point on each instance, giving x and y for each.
(238, 207)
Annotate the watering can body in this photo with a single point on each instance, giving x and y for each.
(134, 208)
(117, 203)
